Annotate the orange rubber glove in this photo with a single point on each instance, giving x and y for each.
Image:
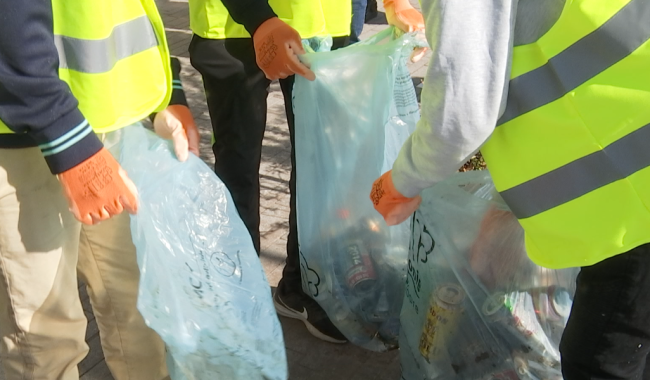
(393, 206)
(402, 15)
(176, 123)
(277, 46)
(98, 189)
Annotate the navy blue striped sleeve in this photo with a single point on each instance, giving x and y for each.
(178, 94)
(34, 102)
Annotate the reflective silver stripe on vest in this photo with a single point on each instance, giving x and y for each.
(100, 56)
(621, 35)
(617, 161)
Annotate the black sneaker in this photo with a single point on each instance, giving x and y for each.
(298, 305)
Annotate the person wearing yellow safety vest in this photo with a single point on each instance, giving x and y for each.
(237, 70)
(71, 73)
(239, 46)
(557, 93)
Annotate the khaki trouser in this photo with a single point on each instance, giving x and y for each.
(42, 324)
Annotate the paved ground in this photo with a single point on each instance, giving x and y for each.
(309, 358)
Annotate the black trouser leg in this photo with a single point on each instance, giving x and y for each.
(236, 91)
(608, 333)
(291, 277)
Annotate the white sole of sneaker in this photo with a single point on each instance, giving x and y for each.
(286, 312)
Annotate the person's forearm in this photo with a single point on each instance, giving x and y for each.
(250, 13)
(464, 88)
(33, 100)
(178, 94)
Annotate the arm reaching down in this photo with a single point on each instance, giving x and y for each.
(464, 89)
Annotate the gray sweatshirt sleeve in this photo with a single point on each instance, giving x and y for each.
(464, 90)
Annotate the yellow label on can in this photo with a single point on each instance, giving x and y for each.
(441, 319)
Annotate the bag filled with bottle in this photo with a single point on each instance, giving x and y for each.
(476, 307)
(202, 286)
(350, 124)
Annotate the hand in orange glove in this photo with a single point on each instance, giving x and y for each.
(98, 189)
(177, 124)
(277, 46)
(393, 206)
(401, 14)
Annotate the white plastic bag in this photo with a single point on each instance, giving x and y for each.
(476, 307)
(202, 287)
(350, 124)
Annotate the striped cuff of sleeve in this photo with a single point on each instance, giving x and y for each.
(68, 142)
(178, 94)
(177, 84)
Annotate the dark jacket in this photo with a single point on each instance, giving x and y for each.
(34, 102)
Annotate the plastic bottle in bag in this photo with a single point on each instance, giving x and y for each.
(513, 317)
(366, 281)
(552, 307)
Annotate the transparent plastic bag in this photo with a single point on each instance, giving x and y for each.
(317, 44)
(476, 307)
(350, 124)
(202, 287)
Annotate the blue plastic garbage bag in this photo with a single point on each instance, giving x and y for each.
(476, 306)
(350, 124)
(202, 287)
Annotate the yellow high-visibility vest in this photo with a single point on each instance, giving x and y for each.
(311, 18)
(114, 56)
(571, 155)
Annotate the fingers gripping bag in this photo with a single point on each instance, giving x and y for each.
(202, 287)
(350, 124)
(476, 307)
